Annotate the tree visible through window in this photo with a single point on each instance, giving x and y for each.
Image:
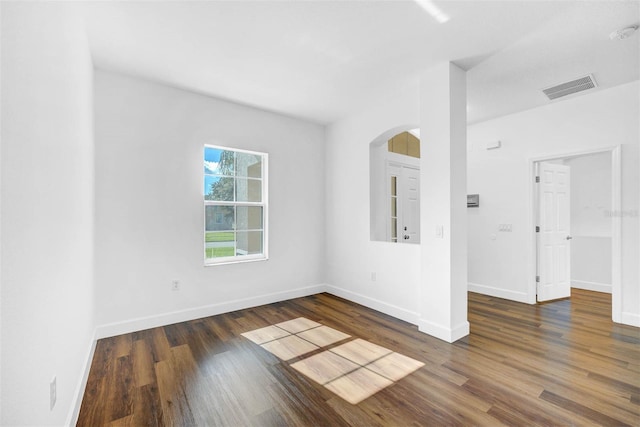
(235, 205)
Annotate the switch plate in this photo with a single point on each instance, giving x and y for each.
(440, 231)
(373, 276)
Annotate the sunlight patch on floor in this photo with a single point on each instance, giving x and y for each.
(354, 370)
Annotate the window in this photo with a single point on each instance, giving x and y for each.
(235, 205)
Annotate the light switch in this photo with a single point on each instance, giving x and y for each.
(440, 231)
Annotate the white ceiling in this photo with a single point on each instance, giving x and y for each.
(322, 60)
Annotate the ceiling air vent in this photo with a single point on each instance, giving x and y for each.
(564, 89)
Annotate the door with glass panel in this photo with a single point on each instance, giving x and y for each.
(404, 203)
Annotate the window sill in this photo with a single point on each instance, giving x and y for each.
(226, 261)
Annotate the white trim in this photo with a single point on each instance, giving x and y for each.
(402, 160)
(74, 411)
(375, 304)
(531, 269)
(559, 156)
(443, 333)
(591, 286)
(264, 204)
(616, 236)
(234, 259)
(142, 323)
(500, 293)
(616, 226)
(632, 319)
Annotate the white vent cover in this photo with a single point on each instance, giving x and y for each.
(564, 89)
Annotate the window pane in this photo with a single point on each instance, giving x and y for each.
(393, 185)
(218, 188)
(249, 242)
(248, 190)
(394, 207)
(394, 228)
(249, 165)
(219, 218)
(234, 204)
(219, 244)
(249, 218)
(218, 161)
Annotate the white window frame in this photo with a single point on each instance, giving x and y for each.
(265, 211)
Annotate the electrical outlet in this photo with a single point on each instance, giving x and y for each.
(175, 285)
(53, 394)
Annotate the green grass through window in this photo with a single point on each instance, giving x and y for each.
(216, 236)
(219, 252)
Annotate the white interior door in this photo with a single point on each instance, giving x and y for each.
(404, 199)
(554, 236)
(411, 205)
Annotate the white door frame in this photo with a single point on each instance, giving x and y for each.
(400, 190)
(616, 224)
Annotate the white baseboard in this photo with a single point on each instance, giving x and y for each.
(438, 331)
(186, 315)
(499, 293)
(591, 286)
(631, 319)
(386, 308)
(443, 333)
(74, 411)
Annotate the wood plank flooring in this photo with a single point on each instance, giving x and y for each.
(561, 363)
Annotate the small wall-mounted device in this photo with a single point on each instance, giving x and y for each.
(473, 200)
(493, 145)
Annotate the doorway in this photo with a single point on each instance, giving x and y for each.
(403, 222)
(583, 249)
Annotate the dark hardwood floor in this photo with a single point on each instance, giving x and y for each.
(561, 363)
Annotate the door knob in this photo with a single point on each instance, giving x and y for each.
(569, 237)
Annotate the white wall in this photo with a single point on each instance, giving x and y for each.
(351, 256)
(405, 286)
(590, 194)
(0, 219)
(602, 119)
(47, 210)
(149, 211)
(443, 207)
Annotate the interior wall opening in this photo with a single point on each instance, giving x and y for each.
(394, 184)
